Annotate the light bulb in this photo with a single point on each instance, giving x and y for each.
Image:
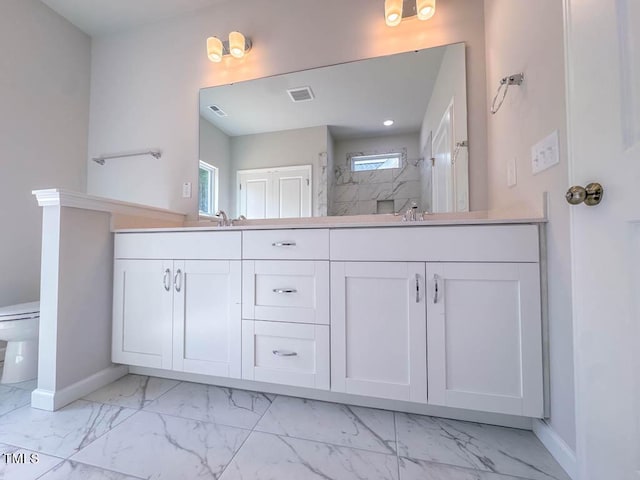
(214, 49)
(236, 44)
(387, 123)
(393, 12)
(425, 8)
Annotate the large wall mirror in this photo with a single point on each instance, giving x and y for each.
(376, 136)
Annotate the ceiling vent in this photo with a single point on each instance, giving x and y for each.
(217, 110)
(300, 94)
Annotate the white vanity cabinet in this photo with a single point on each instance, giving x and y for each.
(178, 313)
(378, 330)
(476, 342)
(440, 315)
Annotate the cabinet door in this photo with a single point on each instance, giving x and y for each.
(142, 308)
(378, 330)
(206, 315)
(484, 337)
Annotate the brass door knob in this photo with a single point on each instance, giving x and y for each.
(591, 195)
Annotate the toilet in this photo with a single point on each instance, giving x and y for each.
(19, 328)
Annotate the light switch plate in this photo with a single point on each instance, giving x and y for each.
(186, 190)
(512, 175)
(546, 153)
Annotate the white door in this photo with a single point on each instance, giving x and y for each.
(378, 329)
(283, 192)
(142, 308)
(484, 337)
(442, 175)
(206, 315)
(604, 143)
(255, 193)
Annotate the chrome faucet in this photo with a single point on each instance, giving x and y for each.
(223, 220)
(239, 219)
(411, 215)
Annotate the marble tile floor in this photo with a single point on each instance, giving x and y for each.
(151, 428)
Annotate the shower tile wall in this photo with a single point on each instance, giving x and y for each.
(357, 193)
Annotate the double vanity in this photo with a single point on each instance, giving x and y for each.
(434, 313)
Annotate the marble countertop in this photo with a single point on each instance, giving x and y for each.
(357, 221)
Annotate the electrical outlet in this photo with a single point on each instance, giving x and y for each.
(512, 174)
(186, 190)
(546, 153)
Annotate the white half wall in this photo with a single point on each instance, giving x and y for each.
(528, 37)
(145, 82)
(44, 87)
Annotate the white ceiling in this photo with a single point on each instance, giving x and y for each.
(98, 17)
(353, 98)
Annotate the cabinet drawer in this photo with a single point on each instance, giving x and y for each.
(286, 245)
(286, 291)
(179, 245)
(286, 353)
(473, 243)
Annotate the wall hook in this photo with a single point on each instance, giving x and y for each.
(505, 82)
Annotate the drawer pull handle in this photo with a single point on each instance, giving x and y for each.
(167, 280)
(436, 292)
(177, 280)
(284, 353)
(282, 291)
(284, 244)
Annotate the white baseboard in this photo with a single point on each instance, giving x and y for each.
(557, 447)
(54, 400)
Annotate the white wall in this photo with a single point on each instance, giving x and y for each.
(278, 149)
(451, 84)
(44, 93)
(215, 149)
(528, 37)
(145, 82)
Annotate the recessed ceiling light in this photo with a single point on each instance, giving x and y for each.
(388, 123)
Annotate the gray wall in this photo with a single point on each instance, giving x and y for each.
(215, 149)
(44, 92)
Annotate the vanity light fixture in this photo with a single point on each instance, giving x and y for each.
(237, 46)
(396, 10)
(393, 12)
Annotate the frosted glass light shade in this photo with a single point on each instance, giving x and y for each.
(236, 44)
(393, 12)
(214, 49)
(425, 8)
